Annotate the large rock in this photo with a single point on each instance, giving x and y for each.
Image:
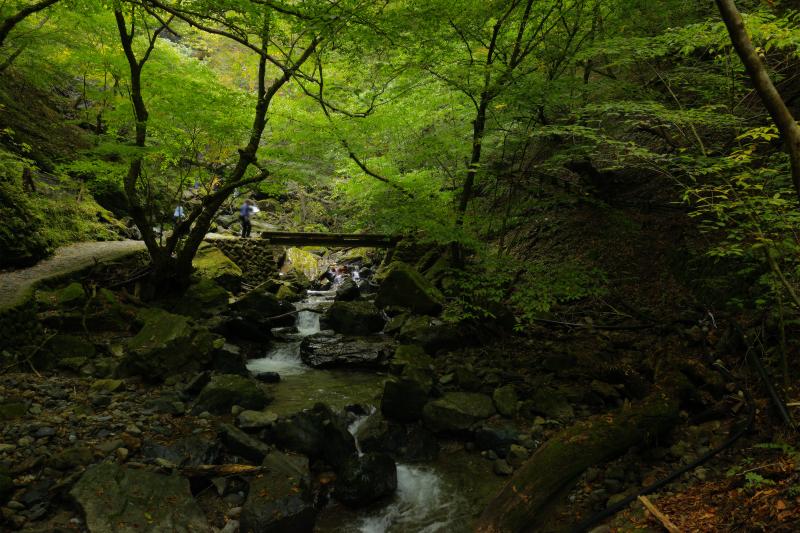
(432, 334)
(256, 419)
(323, 350)
(193, 450)
(243, 329)
(405, 442)
(229, 360)
(226, 390)
(505, 400)
(211, 263)
(366, 479)
(167, 344)
(347, 291)
(354, 318)
(286, 293)
(457, 411)
(318, 433)
(496, 438)
(202, 299)
(404, 399)
(376, 434)
(259, 306)
(240, 443)
(114, 498)
(403, 286)
(280, 499)
(410, 362)
(302, 261)
(409, 356)
(551, 403)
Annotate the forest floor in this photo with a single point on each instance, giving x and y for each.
(14, 284)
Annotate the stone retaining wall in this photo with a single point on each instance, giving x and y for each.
(258, 259)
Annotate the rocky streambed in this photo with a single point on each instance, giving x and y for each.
(244, 414)
(286, 409)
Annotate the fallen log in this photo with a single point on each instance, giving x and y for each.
(568, 454)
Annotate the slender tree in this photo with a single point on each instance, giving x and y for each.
(786, 123)
(172, 261)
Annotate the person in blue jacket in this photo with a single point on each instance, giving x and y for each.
(244, 216)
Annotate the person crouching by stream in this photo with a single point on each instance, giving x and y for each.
(244, 217)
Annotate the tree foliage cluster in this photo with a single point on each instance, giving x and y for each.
(453, 121)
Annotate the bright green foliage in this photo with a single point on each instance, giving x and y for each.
(377, 131)
(21, 242)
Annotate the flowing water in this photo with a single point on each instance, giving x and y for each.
(429, 498)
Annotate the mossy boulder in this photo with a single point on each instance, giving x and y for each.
(457, 411)
(411, 363)
(409, 356)
(403, 399)
(318, 433)
(112, 497)
(260, 304)
(302, 261)
(354, 318)
(211, 263)
(166, 345)
(432, 334)
(11, 409)
(280, 500)
(226, 390)
(70, 296)
(356, 255)
(286, 293)
(505, 400)
(401, 285)
(202, 299)
(551, 403)
(365, 479)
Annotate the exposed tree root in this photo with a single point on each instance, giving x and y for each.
(565, 456)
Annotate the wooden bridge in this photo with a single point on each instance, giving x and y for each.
(351, 240)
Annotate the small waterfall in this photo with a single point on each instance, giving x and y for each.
(284, 358)
(420, 504)
(307, 323)
(357, 423)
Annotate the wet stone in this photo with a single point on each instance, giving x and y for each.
(242, 444)
(256, 419)
(502, 468)
(72, 457)
(44, 432)
(116, 498)
(268, 377)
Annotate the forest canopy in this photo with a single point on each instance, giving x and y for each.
(458, 122)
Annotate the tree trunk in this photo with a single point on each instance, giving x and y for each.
(763, 85)
(568, 454)
(8, 24)
(478, 128)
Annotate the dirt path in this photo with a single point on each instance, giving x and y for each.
(15, 284)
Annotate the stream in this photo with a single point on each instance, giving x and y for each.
(429, 498)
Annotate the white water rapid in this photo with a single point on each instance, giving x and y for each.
(421, 503)
(284, 357)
